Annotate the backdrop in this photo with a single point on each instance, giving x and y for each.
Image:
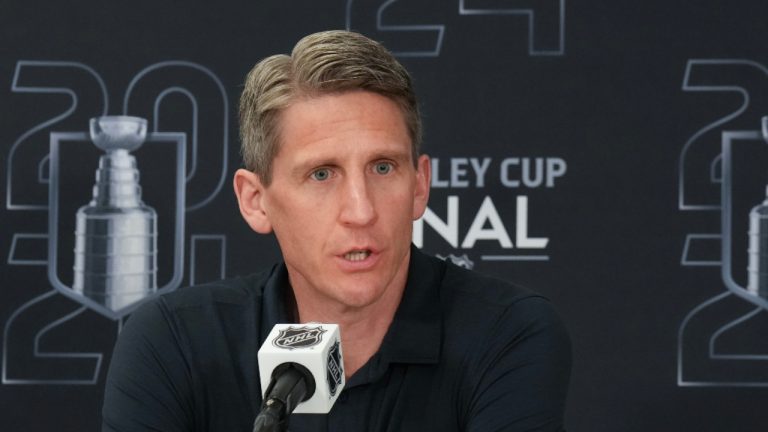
(607, 154)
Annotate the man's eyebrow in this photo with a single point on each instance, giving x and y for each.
(396, 155)
(305, 165)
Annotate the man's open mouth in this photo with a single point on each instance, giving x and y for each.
(357, 255)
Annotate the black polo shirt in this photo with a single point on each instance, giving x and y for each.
(464, 352)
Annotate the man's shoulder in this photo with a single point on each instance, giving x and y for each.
(239, 290)
(198, 309)
(483, 307)
(469, 285)
(494, 324)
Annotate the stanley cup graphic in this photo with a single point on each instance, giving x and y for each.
(116, 233)
(757, 269)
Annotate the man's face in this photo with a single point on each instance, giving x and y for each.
(343, 196)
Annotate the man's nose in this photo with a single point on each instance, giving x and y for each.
(358, 207)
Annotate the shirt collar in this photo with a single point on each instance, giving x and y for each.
(275, 303)
(415, 334)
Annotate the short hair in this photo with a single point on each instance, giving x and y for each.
(328, 62)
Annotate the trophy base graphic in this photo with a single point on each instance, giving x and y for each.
(115, 255)
(758, 250)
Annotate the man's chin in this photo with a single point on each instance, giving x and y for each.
(358, 299)
(358, 294)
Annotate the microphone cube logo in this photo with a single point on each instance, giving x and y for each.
(335, 370)
(317, 347)
(299, 337)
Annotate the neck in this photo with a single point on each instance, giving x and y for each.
(363, 327)
(362, 330)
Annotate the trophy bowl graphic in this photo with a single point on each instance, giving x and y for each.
(118, 132)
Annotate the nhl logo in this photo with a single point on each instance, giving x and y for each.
(299, 337)
(335, 370)
(461, 261)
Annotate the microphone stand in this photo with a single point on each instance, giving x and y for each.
(291, 384)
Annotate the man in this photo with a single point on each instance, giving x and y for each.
(330, 141)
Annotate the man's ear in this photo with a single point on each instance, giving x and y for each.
(250, 196)
(421, 191)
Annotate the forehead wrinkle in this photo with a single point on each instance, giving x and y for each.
(320, 132)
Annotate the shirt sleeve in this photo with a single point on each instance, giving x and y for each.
(522, 376)
(148, 386)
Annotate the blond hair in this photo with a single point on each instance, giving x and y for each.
(321, 63)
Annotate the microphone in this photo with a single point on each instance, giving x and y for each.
(301, 370)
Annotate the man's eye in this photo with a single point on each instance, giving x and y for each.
(321, 174)
(383, 168)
